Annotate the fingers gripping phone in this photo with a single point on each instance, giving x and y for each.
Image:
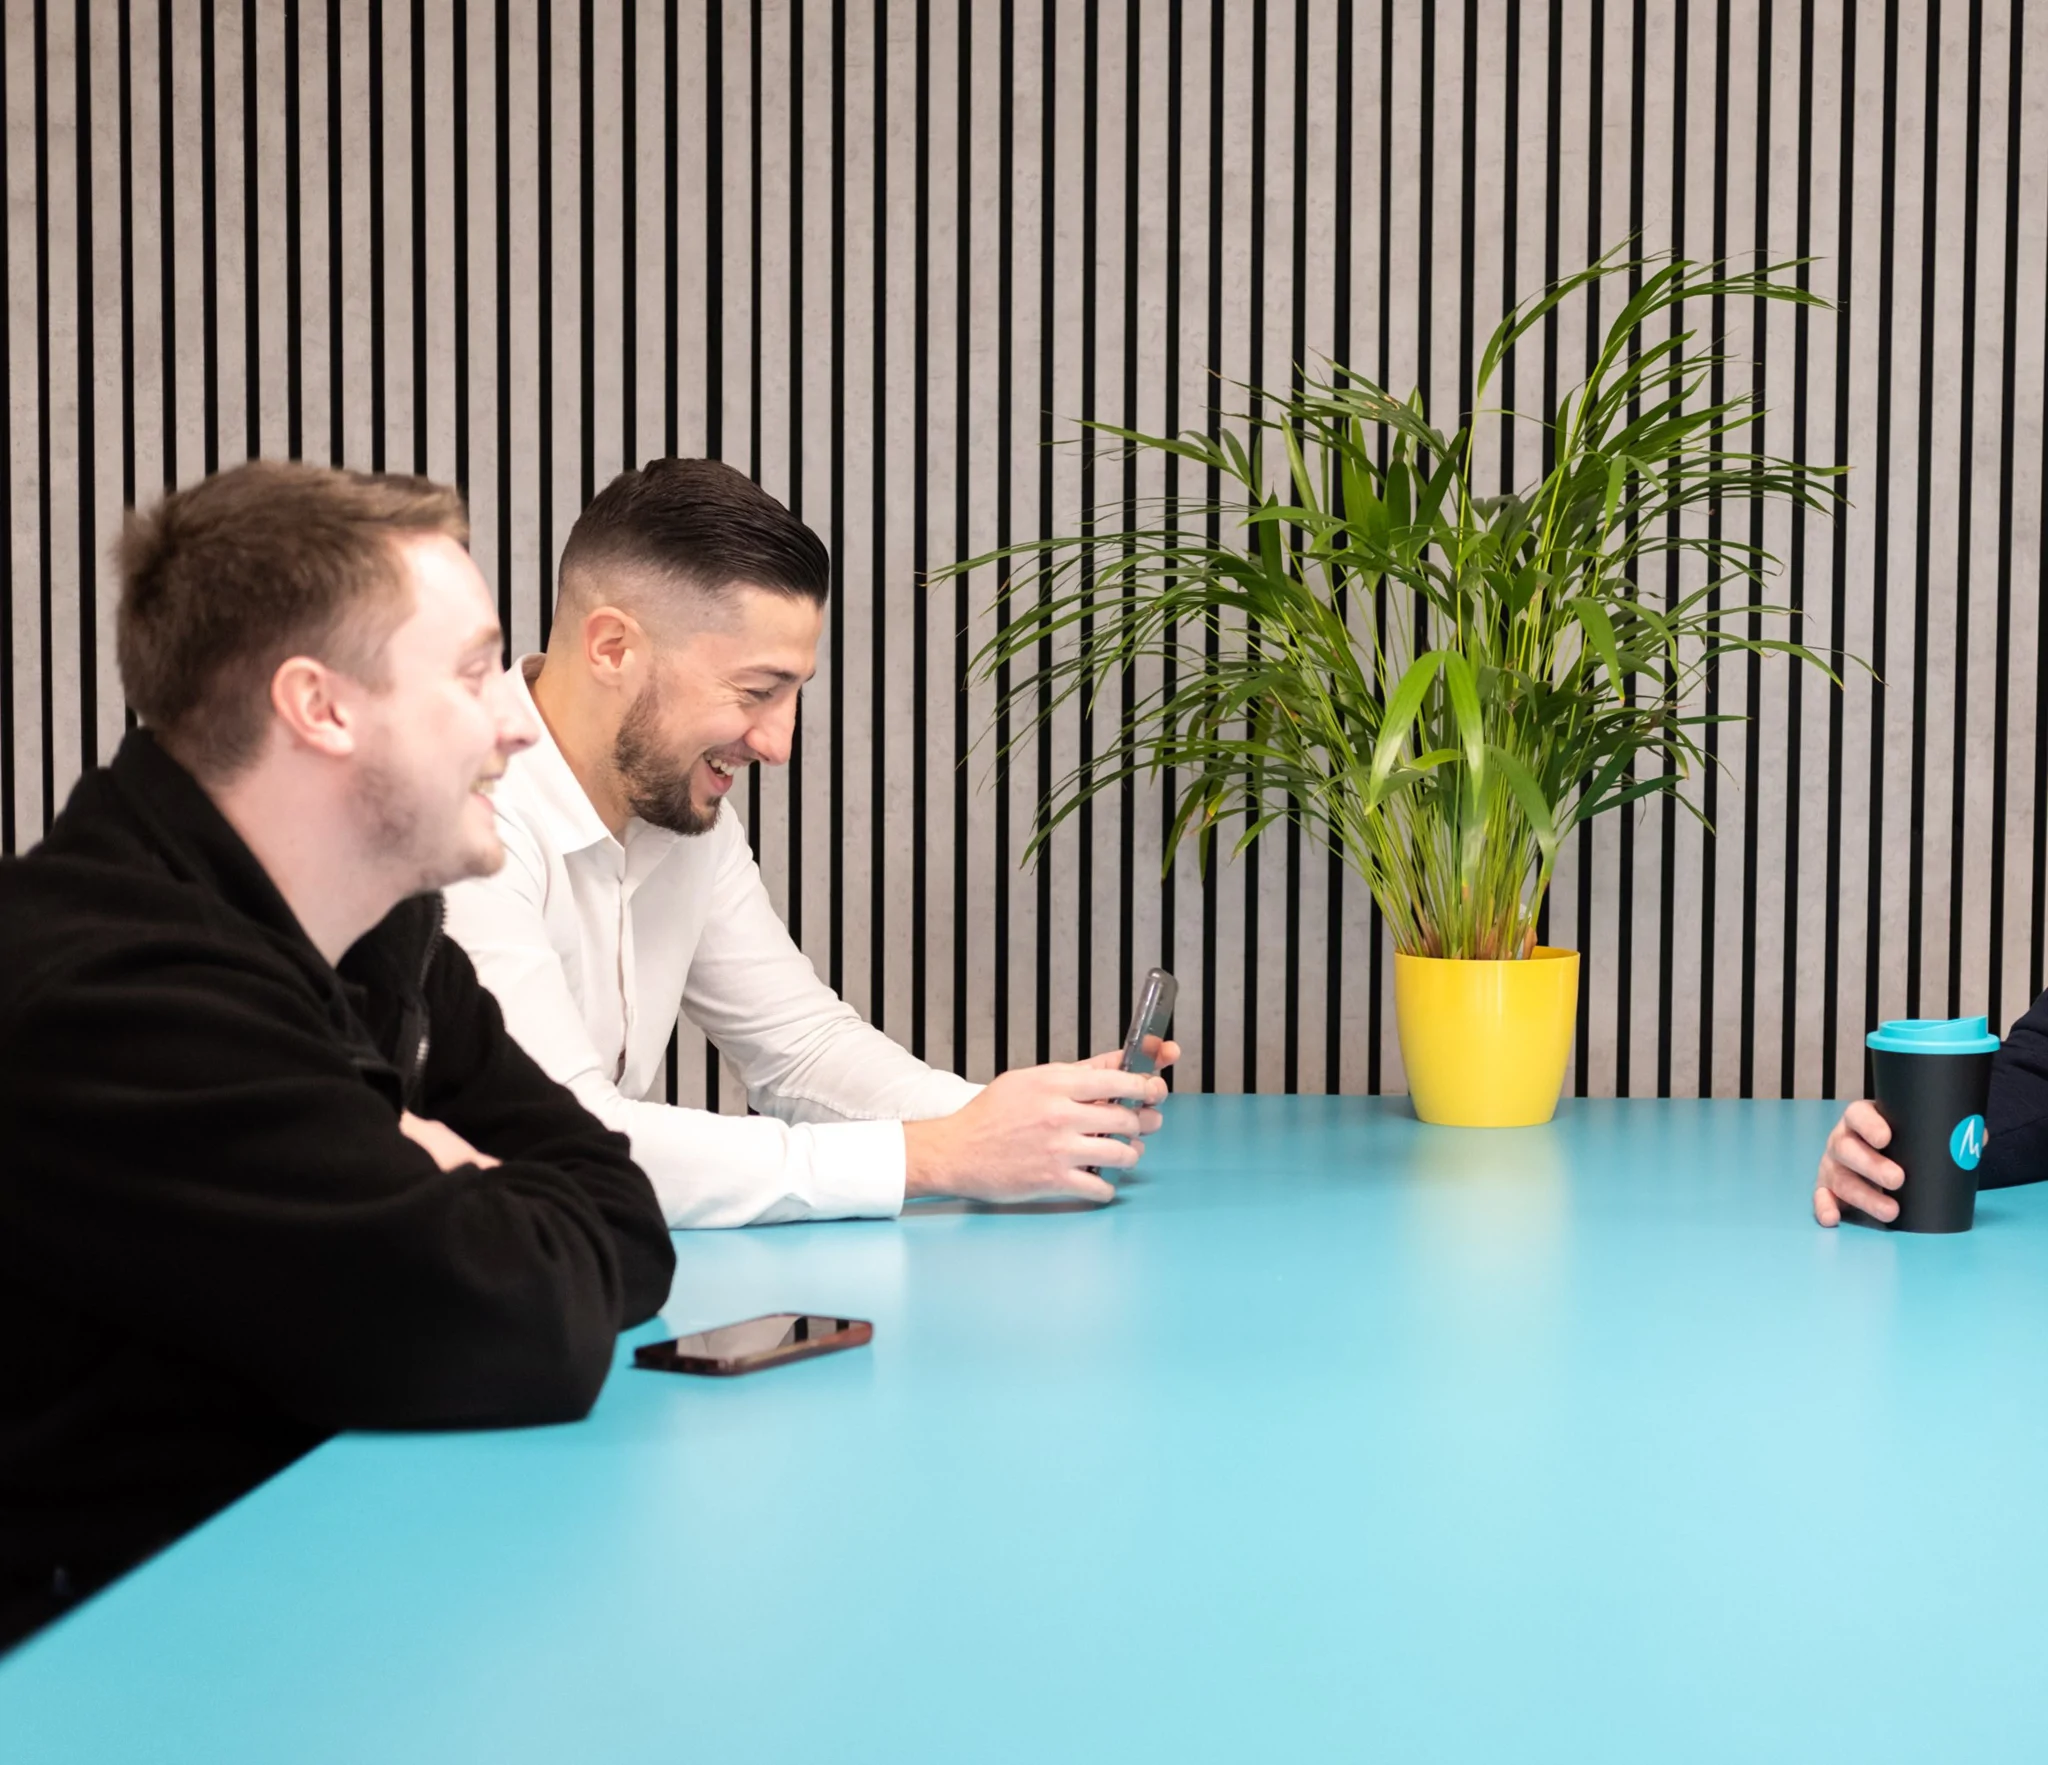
(1150, 1020)
(757, 1343)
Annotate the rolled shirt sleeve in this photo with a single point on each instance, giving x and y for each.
(832, 1091)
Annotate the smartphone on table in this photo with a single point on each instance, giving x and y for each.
(756, 1343)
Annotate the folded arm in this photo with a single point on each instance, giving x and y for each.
(188, 1143)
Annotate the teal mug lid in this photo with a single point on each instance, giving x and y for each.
(1933, 1035)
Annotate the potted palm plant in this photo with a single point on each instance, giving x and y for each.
(1439, 682)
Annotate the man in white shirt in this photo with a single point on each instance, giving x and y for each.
(689, 610)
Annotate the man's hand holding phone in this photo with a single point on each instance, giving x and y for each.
(1039, 1133)
(1044, 1133)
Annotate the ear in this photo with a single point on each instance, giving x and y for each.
(616, 646)
(305, 694)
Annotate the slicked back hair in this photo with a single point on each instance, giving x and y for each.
(228, 578)
(696, 529)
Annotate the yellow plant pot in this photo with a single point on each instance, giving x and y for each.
(1485, 1043)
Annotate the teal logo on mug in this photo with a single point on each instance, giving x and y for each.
(1966, 1144)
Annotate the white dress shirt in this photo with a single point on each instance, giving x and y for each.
(590, 945)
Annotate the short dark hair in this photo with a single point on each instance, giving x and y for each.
(698, 523)
(224, 580)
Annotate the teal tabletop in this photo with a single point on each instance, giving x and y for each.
(1337, 1437)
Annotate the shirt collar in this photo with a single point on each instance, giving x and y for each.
(563, 812)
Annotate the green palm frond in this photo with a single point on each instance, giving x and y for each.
(1439, 683)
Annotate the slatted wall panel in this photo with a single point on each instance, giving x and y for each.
(879, 253)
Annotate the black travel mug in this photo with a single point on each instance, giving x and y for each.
(1933, 1075)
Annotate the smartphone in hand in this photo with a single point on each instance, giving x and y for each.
(1150, 1020)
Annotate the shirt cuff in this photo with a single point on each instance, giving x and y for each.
(857, 1170)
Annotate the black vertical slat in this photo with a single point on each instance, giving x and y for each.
(2001, 684)
(124, 101)
(754, 370)
(418, 84)
(1006, 157)
(963, 536)
(294, 238)
(671, 210)
(501, 71)
(1297, 357)
(1880, 514)
(1510, 204)
(1084, 855)
(252, 281)
(714, 229)
(380, 390)
(209, 241)
(1376, 934)
(1256, 354)
(459, 245)
(1965, 498)
(1468, 199)
(714, 239)
(1795, 773)
(1425, 271)
(1041, 1013)
(337, 379)
(879, 917)
(1667, 829)
(1625, 868)
(1915, 855)
(1340, 349)
(1425, 234)
(1553, 223)
(1838, 559)
(835, 760)
(920, 549)
(1297, 335)
(88, 395)
(1169, 926)
(1755, 439)
(2037, 942)
(1127, 693)
(629, 220)
(1711, 776)
(586, 233)
(544, 221)
(1211, 488)
(1596, 115)
(798, 369)
(46, 661)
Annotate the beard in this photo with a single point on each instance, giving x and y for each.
(657, 790)
(424, 855)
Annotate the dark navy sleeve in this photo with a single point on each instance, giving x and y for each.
(2017, 1114)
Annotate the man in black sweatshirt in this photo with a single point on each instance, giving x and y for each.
(269, 1164)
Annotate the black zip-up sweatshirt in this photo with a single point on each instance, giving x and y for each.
(2017, 1114)
(216, 1247)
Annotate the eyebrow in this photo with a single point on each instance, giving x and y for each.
(783, 676)
(490, 637)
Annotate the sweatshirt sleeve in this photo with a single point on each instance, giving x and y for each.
(2017, 1115)
(481, 1083)
(189, 1145)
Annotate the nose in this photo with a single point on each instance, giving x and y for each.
(771, 739)
(518, 727)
